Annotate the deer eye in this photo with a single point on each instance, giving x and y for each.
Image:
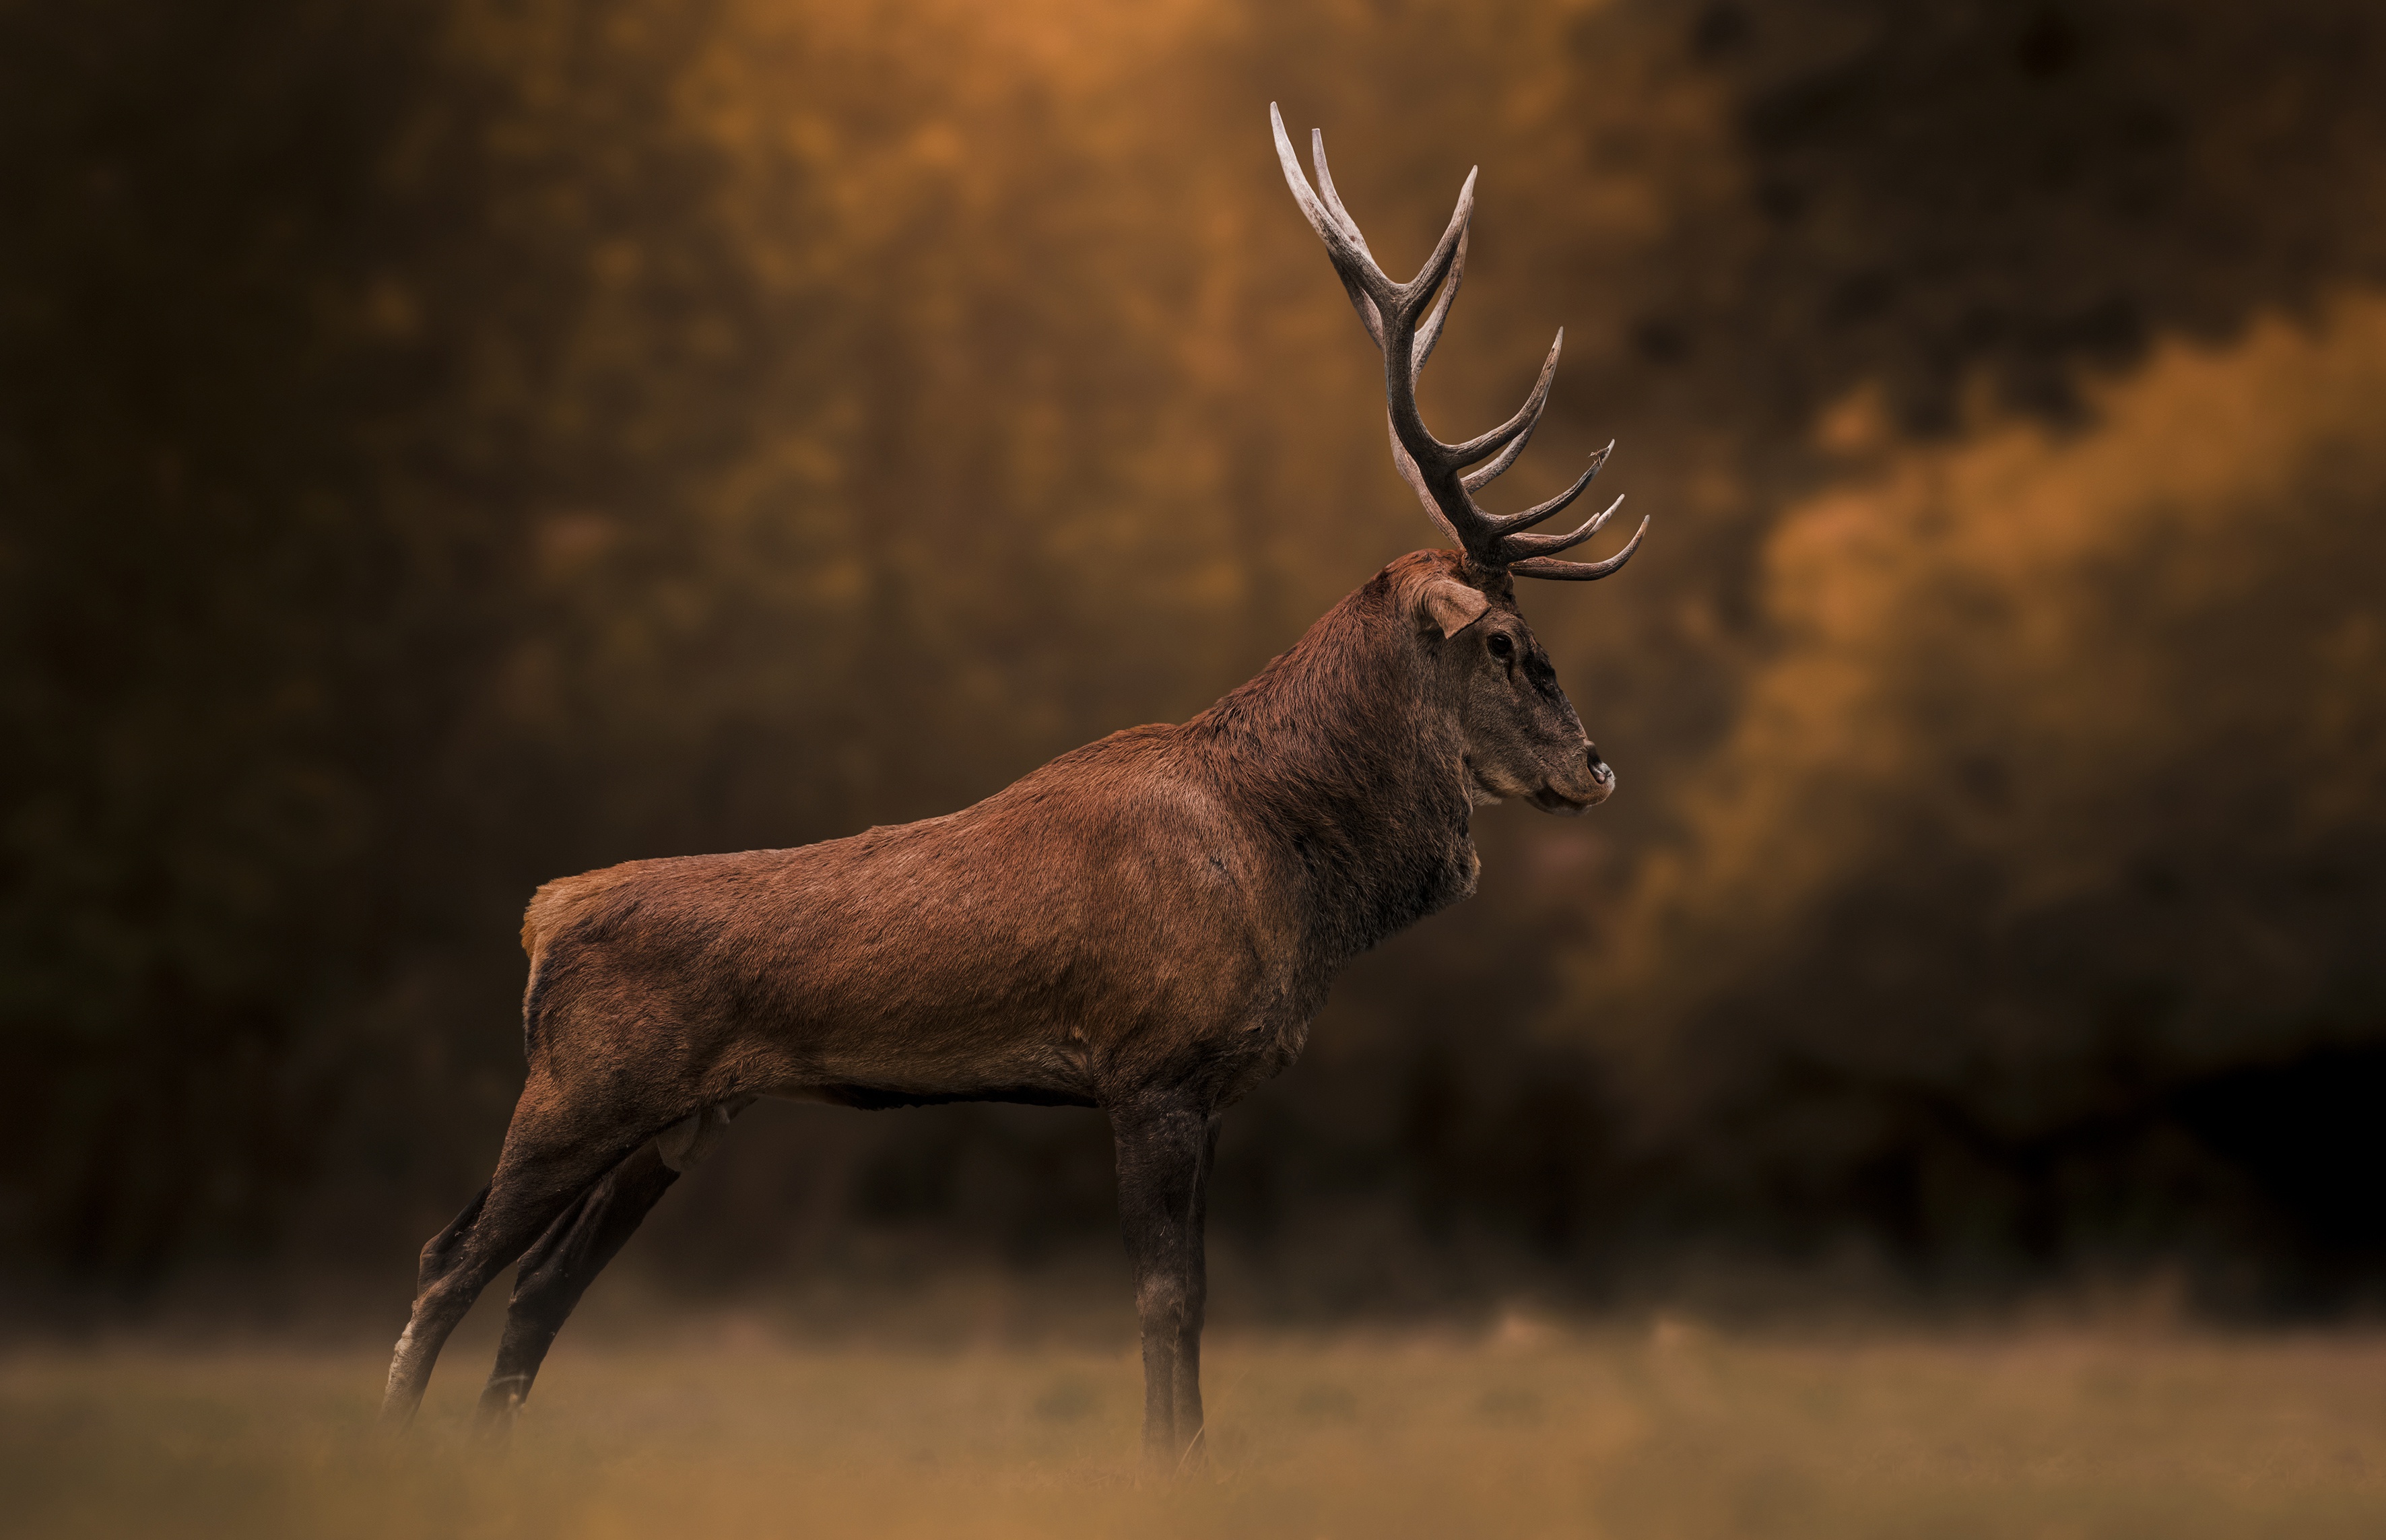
(1501, 648)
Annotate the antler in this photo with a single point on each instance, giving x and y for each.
(1438, 472)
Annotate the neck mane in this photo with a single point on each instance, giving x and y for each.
(1345, 758)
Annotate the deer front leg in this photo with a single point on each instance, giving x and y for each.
(1190, 1424)
(1160, 1147)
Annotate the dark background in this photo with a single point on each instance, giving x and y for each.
(447, 445)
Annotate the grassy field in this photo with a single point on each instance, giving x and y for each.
(1674, 1430)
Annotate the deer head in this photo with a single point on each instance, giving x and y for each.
(1523, 738)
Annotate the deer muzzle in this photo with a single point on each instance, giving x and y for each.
(1579, 790)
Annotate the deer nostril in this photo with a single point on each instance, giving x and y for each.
(1599, 770)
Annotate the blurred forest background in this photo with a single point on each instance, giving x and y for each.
(448, 443)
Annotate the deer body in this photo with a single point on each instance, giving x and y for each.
(1147, 924)
(1171, 896)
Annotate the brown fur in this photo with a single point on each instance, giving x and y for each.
(1147, 925)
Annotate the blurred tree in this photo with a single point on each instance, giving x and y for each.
(210, 623)
(2064, 794)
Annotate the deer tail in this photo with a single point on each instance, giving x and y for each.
(550, 909)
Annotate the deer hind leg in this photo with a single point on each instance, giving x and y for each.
(559, 1268)
(1159, 1158)
(549, 1159)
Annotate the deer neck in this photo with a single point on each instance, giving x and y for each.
(1349, 764)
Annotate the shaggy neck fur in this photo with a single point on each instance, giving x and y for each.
(1353, 766)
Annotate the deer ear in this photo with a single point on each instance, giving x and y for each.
(1451, 606)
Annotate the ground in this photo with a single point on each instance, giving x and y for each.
(1655, 1429)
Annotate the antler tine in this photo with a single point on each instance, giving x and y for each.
(1369, 315)
(1429, 329)
(1325, 190)
(1578, 572)
(1483, 475)
(1517, 546)
(1519, 426)
(1508, 522)
(1328, 229)
(1362, 280)
(1446, 251)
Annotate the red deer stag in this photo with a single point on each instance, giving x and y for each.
(1147, 926)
